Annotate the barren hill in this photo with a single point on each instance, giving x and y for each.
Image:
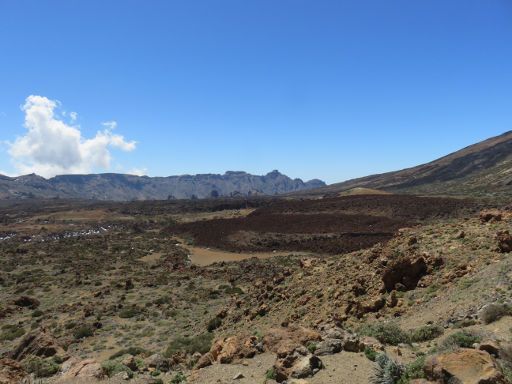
(480, 169)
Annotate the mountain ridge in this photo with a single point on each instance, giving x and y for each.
(479, 169)
(116, 186)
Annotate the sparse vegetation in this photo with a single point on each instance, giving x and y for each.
(200, 343)
(460, 339)
(11, 332)
(494, 312)
(41, 367)
(387, 333)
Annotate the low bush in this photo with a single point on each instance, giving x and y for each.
(83, 331)
(426, 333)
(179, 378)
(129, 312)
(113, 367)
(494, 312)
(214, 323)
(386, 333)
(387, 371)
(134, 351)
(41, 367)
(201, 343)
(461, 339)
(11, 332)
(370, 354)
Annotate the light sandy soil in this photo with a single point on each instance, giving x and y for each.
(206, 256)
(341, 368)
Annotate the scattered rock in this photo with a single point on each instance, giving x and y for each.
(297, 364)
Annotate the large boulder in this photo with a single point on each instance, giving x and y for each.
(465, 366)
(38, 343)
(11, 371)
(88, 368)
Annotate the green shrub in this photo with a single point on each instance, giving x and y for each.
(201, 343)
(426, 333)
(179, 378)
(413, 371)
(270, 374)
(214, 323)
(311, 347)
(134, 351)
(461, 339)
(83, 331)
(113, 367)
(388, 371)
(41, 367)
(386, 333)
(129, 312)
(37, 313)
(11, 332)
(370, 353)
(494, 312)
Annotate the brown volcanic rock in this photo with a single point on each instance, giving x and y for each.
(281, 340)
(74, 367)
(37, 343)
(11, 371)
(228, 350)
(404, 272)
(504, 241)
(465, 366)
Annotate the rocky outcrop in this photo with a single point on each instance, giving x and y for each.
(466, 366)
(285, 339)
(504, 241)
(11, 371)
(229, 350)
(38, 343)
(404, 274)
(74, 368)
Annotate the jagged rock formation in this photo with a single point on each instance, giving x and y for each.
(112, 186)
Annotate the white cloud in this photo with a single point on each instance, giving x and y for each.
(110, 124)
(51, 147)
(73, 116)
(138, 171)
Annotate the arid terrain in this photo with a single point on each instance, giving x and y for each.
(354, 289)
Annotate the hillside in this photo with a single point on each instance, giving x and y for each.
(119, 187)
(484, 168)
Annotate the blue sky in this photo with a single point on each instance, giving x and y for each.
(317, 89)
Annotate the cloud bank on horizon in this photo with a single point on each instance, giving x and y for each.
(52, 147)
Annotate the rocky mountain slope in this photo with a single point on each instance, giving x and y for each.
(112, 186)
(481, 169)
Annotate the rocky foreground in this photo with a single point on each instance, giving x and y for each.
(431, 305)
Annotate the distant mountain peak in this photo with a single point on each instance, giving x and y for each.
(115, 186)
